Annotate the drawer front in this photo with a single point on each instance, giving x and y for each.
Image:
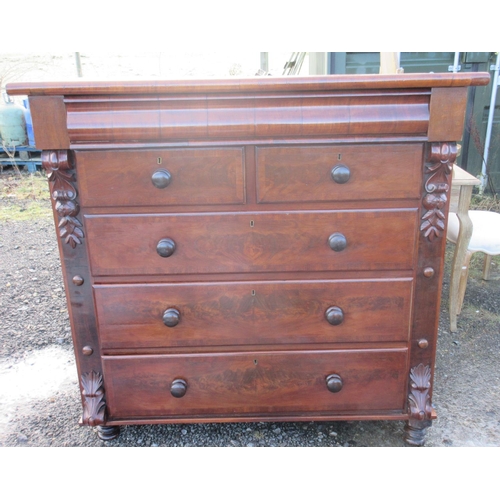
(256, 383)
(161, 177)
(251, 242)
(252, 313)
(330, 173)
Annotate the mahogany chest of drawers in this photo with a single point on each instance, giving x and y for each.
(250, 250)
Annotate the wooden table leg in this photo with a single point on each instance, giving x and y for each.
(459, 260)
(487, 267)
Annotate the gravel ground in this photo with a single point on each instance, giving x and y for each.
(40, 403)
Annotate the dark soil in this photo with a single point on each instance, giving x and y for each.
(40, 402)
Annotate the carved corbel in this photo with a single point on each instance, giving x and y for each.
(59, 167)
(419, 399)
(419, 405)
(94, 403)
(437, 186)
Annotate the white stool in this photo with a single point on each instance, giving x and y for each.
(485, 238)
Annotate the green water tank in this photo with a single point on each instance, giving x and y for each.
(12, 124)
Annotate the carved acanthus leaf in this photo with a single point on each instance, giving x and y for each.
(94, 403)
(437, 186)
(419, 399)
(59, 165)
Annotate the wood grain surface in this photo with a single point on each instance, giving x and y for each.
(234, 85)
(260, 382)
(204, 176)
(253, 313)
(304, 174)
(251, 242)
(253, 249)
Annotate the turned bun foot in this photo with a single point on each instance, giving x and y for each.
(415, 432)
(108, 432)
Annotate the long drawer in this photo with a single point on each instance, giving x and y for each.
(255, 383)
(204, 176)
(326, 173)
(251, 242)
(253, 313)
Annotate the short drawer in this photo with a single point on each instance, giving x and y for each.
(255, 383)
(210, 176)
(331, 173)
(253, 313)
(251, 242)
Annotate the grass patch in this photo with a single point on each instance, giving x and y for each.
(485, 202)
(25, 186)
(30, 211)
(24, 196)
(477, 264)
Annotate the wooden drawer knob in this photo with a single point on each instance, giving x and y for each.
(165, 247)
(178, 388)
(161, 178)
(334, 315)
(334, 382)
(337, 242)
(171, 317)
(341, 174)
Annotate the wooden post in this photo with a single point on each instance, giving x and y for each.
(78, 64)
(389, 63)
(264, 61)
(318, 63)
